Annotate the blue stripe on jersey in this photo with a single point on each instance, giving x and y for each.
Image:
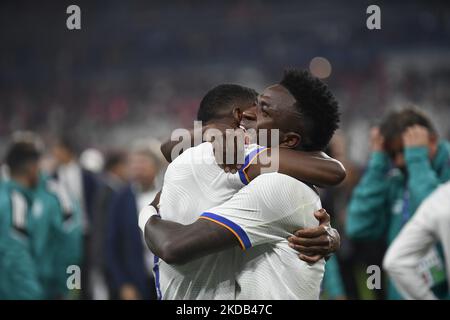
(242, 176)
(156, 271)
(248, 160)
(233, 226)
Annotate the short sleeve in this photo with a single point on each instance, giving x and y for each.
(267, 210)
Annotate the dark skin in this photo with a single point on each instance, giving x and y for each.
(315, 168)
(205, 237)
(227, 121)
(192, 241)
(177, 244)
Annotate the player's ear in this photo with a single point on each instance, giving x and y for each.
(291, 140)
(237, 115)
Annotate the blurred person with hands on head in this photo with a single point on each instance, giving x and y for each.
(407, 163)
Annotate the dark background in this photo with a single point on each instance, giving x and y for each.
(138, 69)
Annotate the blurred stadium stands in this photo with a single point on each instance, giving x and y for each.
(136, 68)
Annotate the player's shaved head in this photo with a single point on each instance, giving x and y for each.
(220, 101)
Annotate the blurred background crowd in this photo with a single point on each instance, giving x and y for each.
(99, 99)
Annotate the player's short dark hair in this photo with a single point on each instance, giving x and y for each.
(223, 97)
(19, 155)
(114, 158)
(396, 122)
(317, 106)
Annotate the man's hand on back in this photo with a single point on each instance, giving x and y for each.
(314, 244)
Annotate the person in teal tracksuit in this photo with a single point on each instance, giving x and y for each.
(41, 230)
(19, 271)
(407, 163)
(59, 245)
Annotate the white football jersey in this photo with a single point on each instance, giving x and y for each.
(262, 215)
(193, 183)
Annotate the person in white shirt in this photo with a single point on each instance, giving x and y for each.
(82, 186)
(429, 226)
(264, 213)
(129, 263)
(193, 183)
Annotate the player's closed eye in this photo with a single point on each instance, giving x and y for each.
(264, 109)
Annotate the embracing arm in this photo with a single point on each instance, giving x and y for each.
(313, 167)
(178, 244)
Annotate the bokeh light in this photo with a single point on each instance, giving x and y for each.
(320, 67)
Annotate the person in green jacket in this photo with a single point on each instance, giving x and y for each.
(53, 230)
(59, 244)
(407, 163)
(19, 271)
